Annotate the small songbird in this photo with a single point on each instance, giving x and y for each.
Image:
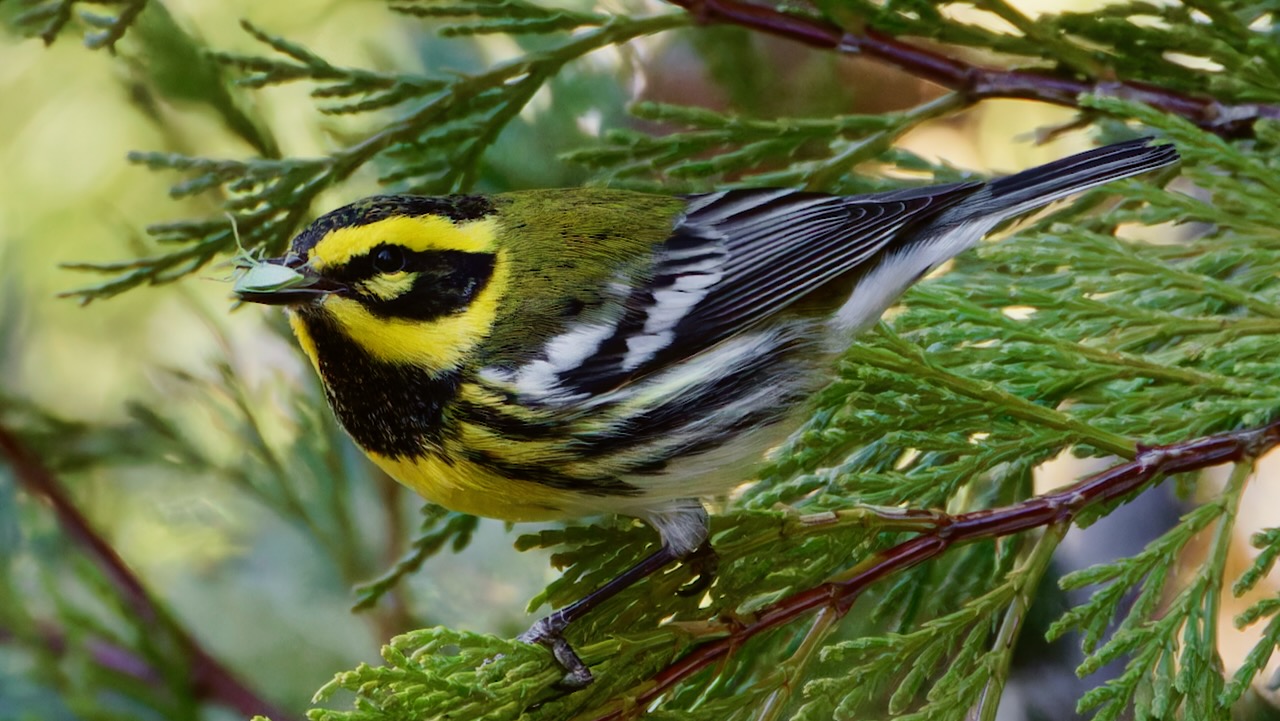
(552, 354)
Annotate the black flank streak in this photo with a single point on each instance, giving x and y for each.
(748, 421)
(547, 475)
(523, 430)
(504, 425)
(670, 418)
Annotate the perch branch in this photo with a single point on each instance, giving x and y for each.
(1058, 508)
(210, 680)
(976, 82)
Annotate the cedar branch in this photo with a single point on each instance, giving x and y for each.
(977, 82)
(209, 679)
(1057, 508)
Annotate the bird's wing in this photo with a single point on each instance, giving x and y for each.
(733, 259)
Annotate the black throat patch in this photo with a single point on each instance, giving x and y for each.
(391, 409)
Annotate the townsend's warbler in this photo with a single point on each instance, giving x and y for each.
(550, 354)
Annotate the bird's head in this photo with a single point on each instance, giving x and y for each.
(410, 279)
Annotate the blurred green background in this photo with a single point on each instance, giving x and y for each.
(256, 587)
(260, 585)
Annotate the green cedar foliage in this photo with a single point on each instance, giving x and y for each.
(1065, 338)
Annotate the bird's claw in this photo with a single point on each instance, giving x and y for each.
(549, 631)
(703, 562)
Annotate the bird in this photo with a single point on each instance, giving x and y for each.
(541, 355)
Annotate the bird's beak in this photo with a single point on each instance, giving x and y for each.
(281, 281)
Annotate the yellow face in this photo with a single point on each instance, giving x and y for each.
(420, 290)
(388, 297)
(421, 233)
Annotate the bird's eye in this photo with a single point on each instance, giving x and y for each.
(388, 259)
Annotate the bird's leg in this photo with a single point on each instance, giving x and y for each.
(684, 530)
(549, 630)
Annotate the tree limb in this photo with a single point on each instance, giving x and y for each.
(977, 82)
(1051, 509)
(209, 679)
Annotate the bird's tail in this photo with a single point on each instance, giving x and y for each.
(1030, 189)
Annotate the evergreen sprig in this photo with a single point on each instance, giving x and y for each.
(1069, 339)
(1172, 658)
(752, 151)
(433, 146)
(440, 528)
(47, 19)
(125, 638)
(370, 89)
(1267, 609)
(514, 17)
(737, 151)
(942, 668)
(1065, 339)
(290, 458)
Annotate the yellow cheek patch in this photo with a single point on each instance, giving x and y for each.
(388, 286)
(304, 339)
(419, 233)
(439, 344)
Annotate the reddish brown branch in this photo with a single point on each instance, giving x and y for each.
(1052, 508)
(210, 680)
(977, 82)
(105, 654)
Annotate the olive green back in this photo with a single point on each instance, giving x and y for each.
(566, 247)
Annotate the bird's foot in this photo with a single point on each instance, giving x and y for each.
(704, 563)
(549, 631)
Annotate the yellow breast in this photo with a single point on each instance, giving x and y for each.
(464, 486)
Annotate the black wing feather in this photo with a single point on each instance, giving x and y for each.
(738, 257)
(756, 252)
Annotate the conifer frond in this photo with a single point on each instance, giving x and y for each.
(753, 152)
(360, 90)
(1066, 338)
(515, 17)
(1157, 635)
(440, 527)
(1063, 340)
(47, 19)
(434, 146)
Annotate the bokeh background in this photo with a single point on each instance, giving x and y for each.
(254, 583)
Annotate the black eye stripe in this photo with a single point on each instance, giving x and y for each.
(444, 282)
(391, 258)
